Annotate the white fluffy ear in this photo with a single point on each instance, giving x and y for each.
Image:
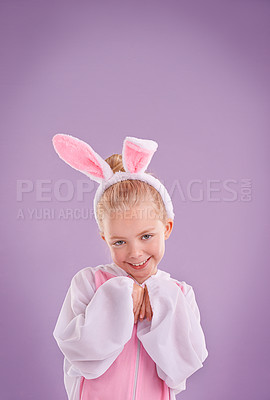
(79, 155)
(137, 154)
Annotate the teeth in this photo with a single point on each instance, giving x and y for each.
(136, 265)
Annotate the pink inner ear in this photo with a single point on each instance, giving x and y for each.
(79, 155)
(136, 158)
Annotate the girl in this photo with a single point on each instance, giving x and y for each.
(128, 331)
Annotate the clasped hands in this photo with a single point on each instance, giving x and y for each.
(141, 303)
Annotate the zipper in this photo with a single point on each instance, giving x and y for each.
(136, 370)
(138, 350)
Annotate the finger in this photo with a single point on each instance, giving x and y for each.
(136, 296)
(141, 305)
(137, 302)
(138, 305)
(142, 311)
(136, 315)
(142, 297)
(136, 312)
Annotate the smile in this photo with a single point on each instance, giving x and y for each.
(142, 264)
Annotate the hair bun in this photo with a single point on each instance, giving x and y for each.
(115, 162)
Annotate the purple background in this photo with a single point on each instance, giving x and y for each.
(195, 78)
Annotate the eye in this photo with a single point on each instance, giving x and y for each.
(117, 243)
(148, 236)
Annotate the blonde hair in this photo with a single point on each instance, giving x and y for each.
(124, 195)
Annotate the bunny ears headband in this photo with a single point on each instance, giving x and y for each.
(136, 156)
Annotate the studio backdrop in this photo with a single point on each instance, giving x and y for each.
(193, 76)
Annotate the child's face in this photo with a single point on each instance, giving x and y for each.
(136, 236)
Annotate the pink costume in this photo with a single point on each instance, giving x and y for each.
(107, 356)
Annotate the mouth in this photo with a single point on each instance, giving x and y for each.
(140, 266)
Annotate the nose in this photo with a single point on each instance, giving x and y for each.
(135, 251)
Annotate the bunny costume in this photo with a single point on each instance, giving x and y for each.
(136, 156)
(106, 355)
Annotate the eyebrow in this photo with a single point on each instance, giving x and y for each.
(121, 237)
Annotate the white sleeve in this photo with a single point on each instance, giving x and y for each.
(93, 327)
(173, 338)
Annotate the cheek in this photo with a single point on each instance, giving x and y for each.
(117, 253)
(157, 247)
(113, 252)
